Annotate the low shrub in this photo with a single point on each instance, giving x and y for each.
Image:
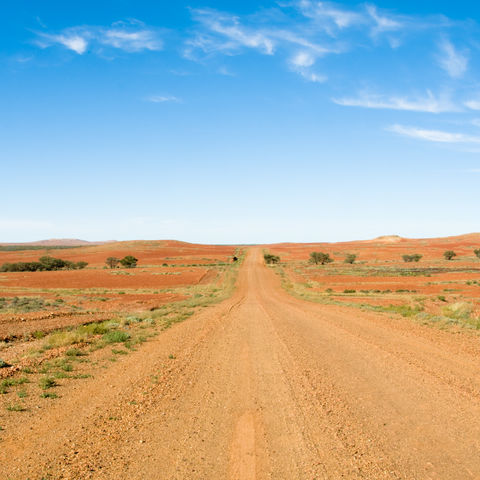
(117, 336)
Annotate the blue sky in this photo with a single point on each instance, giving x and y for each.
(226, 122)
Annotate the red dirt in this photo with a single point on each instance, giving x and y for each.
(265, 386)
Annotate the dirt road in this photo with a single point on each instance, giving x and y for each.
(265, 386)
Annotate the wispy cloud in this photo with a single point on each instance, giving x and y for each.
(303, 32)
(132, 36)
(383, 22)
(132, 41)
(225, 32)
(163, 99)
(70, 39)
(451, 60)
(222, 33)
(428, 104)
(325, 12)
(438, 136)
(472, 104)
(302, 62)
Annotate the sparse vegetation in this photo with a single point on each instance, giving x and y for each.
(16, 407)
(477, 252)
(117, 336)
(271, 259)
(449, 254)
(22, 304)
(112, 262)
(45, 263)
(412, 258)
(350, 258)
(47, 383)
(129, 261)
(458, 310)
(320, 258)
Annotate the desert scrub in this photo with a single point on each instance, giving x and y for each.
(75, 352)
(117, 336)
(16, 407)
(11, 382)
(47, 382)
(458, 311)
(22, 304)
(48, 395)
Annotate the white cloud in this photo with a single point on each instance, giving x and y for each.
(130, 37)
(438, 136)
(163, 99)
(132, 41)
(227, 34)
(301, 63)
(303, 59)
(429, 104)
(322, 11)
(473, 104)
(451, 60)
(229, 28)
(382, 22)
(313, 77)
(70, 40)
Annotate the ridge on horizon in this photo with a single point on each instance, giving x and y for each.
(393, 238)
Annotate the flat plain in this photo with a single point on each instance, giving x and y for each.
(191, 366)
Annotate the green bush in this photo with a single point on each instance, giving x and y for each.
(47, 382)
(271, 259)
(117, 336)
(477, 252)
(320, 257)
(449, 254)
(350, 258)
(129, 261)
(412, 258)
(45, 263)
(458, 311)
(112, 262)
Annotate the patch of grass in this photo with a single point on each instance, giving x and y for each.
(47, 382)
(75, 352)
(117, 336)
(119, 352)
(67, 367)
(11, 382)
(16, 407)
(48, 395)
(22, 394)
(458, 311)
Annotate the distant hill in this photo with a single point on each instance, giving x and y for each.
(388, 239)
(59, 242)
